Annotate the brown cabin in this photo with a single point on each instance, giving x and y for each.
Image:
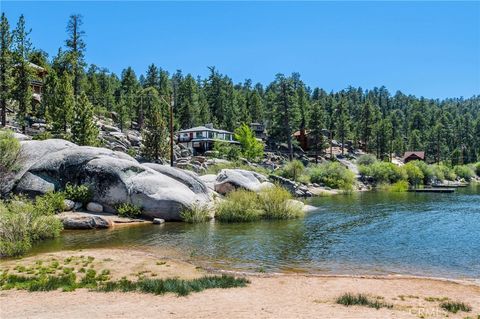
(413, 156)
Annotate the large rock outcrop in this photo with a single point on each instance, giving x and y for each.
(231, 179)
(114, 178)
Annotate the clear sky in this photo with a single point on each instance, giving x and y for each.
(429, 49)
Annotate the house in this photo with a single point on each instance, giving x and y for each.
(201, 138)
(259, 131)
(413, 156)
(304, 138)
(37, 84)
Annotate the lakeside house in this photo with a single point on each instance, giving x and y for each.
(202, 138)
(304, 138)
(37, 84)
(413, 156)
(259, 130)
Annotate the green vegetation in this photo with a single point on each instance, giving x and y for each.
(177, 286)
(292, 170)
(367, 159)
(239, 206)
(414, 173)
(276, 203)
(464, 171)
(226, 150)
(397, 187)
(455, 306)
(246, 206)
(383, 172)
(333, 175)
(196, 214)
(78, 193)
(379, 121)
(53, 275)
(23, 222)
(9, 152)
(251, 147)
(349, 299)
(129, 210)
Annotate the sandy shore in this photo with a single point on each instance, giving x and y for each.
(267, 296)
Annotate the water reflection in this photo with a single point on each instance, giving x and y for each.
(425, 234)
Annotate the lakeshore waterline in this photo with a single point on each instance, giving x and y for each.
(368, 233)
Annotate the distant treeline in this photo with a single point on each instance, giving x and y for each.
(375, 120)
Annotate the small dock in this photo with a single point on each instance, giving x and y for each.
(432, 190)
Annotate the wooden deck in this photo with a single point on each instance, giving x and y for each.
(432, 190)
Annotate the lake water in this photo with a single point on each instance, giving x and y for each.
(367, 233)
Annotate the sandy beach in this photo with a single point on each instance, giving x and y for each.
(267, 296)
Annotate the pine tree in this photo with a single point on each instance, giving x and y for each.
(84, 130)
(342, 122)
(155, 135)
(366, 123)
(152, 78)
(60, 111)
(187, 103)
(129, 91)
(23, 71)
(285, 112)
(316, 124)
(6, 67)
(76, 50)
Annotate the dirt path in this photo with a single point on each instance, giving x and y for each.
(279, 296)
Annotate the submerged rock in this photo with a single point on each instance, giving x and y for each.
(83, 221)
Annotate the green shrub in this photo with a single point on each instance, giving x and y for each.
(128, 210)
(414, 173)
(361, 300)
(455, 306)
(23, 222)
(477, 169)
(239, 206)
(367, 159)
(333, 175)
(427, 170)
(251, 147)
(196, 214)
(50, 203)
(383, 172)
(9, 152)
(43, 136)
(276, 203)
(464, 171)
(397, 187)
(78, 193)
(227, 150)
(293, 170)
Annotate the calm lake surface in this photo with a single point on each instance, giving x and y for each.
(369, 233)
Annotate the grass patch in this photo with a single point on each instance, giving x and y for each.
(349, 299)
(245, 206)
(196, 214)
(239, 206)
(51, 275)
(455, 306)
(177, 286)
(276, 203)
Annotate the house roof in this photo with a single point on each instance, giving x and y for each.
(203, 128)
(419, 154)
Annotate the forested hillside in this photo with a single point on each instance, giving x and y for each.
(377, 120)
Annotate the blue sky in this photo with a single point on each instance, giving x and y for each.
(429, 49)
